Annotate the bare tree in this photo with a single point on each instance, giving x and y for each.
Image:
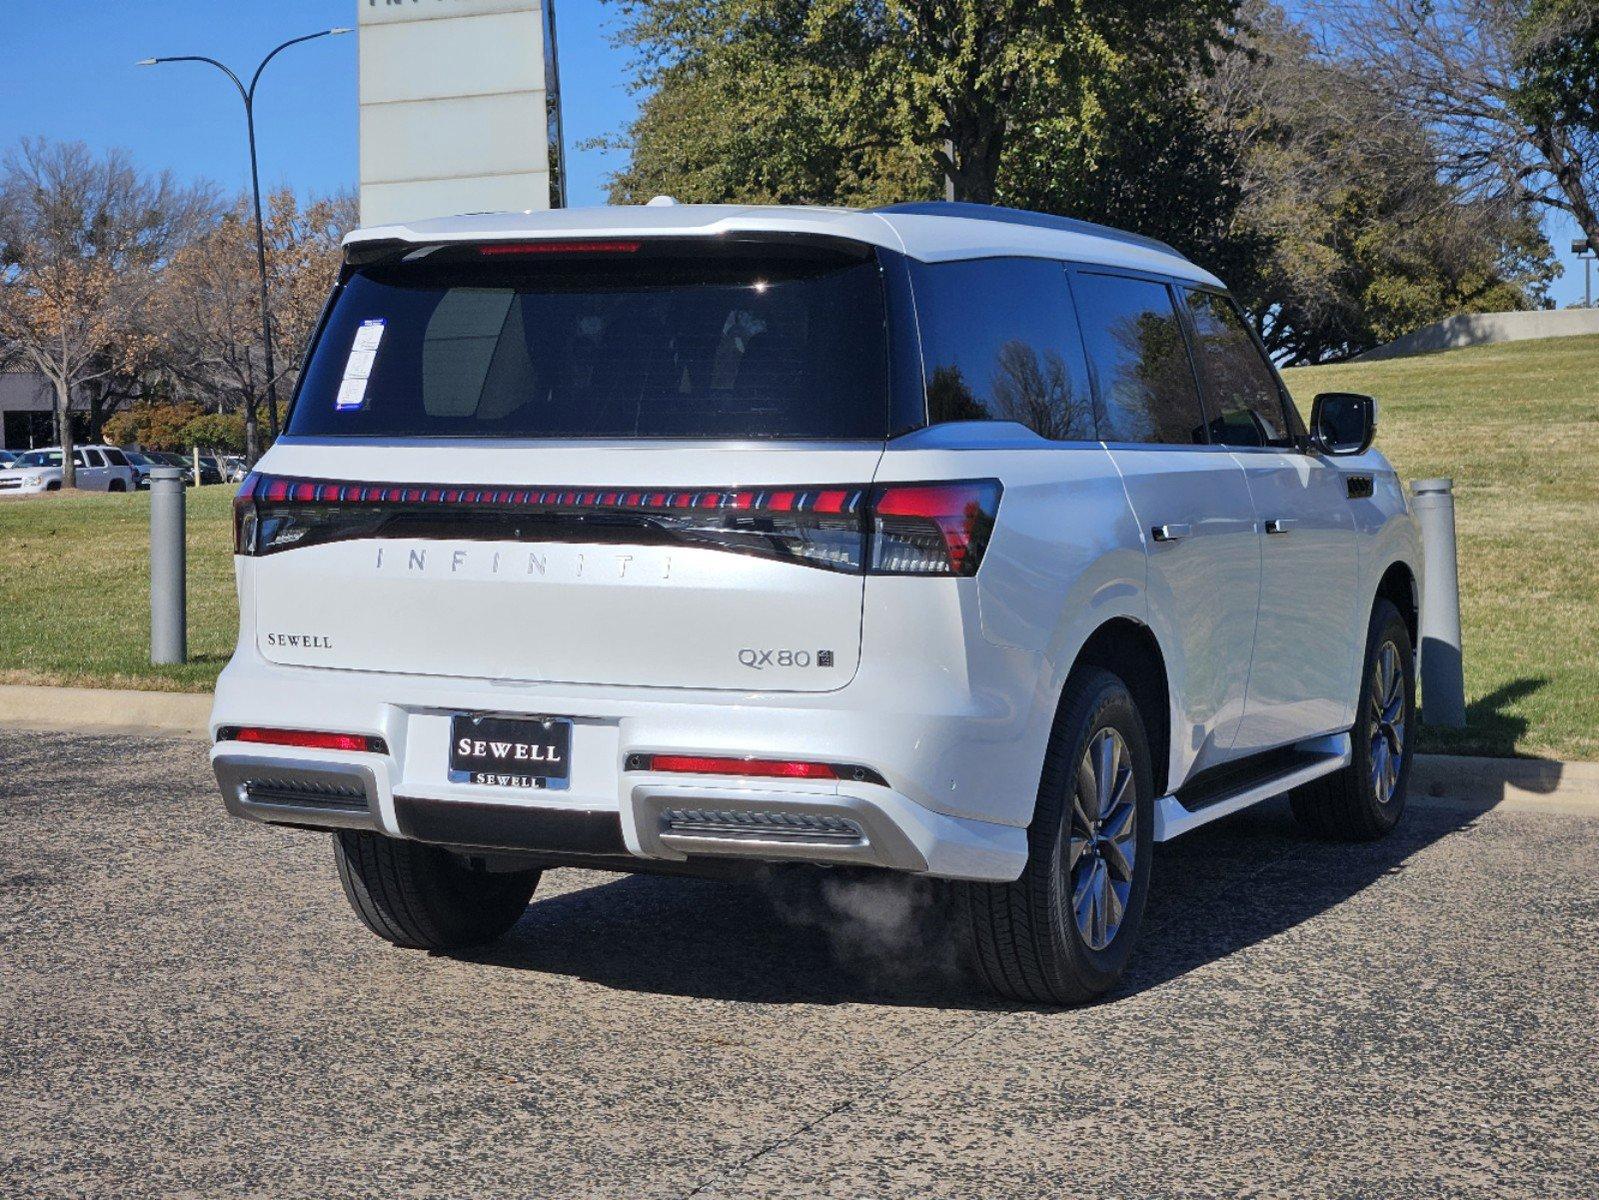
(210, 303)
(82, 242)
(1508, 85)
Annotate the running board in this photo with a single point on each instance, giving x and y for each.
(1316, 758)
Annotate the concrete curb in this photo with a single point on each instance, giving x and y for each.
(106, 708)
(1532, 783)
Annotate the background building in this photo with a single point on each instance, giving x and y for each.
(25, 412)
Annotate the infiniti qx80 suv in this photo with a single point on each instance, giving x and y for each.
(938, 539)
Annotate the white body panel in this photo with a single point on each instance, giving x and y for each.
(573, 612)
(1204, 589)
(1300, 669)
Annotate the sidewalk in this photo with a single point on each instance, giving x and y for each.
(1535, 784)
(105, 708)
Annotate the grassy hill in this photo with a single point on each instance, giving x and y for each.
(1516, 426)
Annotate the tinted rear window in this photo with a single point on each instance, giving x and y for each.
(734, 342)
(1000, 342)
(1146, 381)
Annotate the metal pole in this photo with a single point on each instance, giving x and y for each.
(1443, 679)
(552, 87)
(260, 265)
(247, 94)
(169, 641)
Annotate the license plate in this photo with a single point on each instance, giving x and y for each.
(527, 752)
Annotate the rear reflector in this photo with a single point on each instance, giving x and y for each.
(763, 768)
(305, 739)
(890, 529)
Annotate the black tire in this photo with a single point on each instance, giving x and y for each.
(52, 487)
(116, 485)
(1025, 938)
(1345, 806)
(424, 898)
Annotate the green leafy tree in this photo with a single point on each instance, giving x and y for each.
(1219, 128)
(861, 101)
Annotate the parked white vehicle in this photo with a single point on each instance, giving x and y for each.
(99, 469)
(948, 540)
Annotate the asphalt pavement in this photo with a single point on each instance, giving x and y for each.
(187, 1008)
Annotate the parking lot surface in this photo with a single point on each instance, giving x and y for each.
(188, 1009)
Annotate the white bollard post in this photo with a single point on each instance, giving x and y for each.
(1443, 677)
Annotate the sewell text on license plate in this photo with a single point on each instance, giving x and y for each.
(526, 752)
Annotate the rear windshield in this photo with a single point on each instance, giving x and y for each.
(737, 342)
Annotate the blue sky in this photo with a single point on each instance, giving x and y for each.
(68, 73)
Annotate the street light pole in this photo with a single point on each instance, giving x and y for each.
(247, 94)
(1587, 251)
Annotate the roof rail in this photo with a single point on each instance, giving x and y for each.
(1021, 216)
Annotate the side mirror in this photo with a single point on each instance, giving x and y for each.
(1343, 422)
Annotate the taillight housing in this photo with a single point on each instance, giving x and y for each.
(303, 739)
(891, 529)
(751, 767)
(932, 528)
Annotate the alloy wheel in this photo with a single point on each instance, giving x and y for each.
(1388, 722)
(1104, 838)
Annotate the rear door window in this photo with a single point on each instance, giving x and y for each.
(1241, 394)
(702, 341)
(1000, 343)
(1135, 341)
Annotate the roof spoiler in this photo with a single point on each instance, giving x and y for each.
(1021, 216)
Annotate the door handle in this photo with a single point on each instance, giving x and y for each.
(1279, 525)
(1171, 533)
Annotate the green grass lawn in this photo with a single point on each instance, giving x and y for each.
(1516, 426)
(75, 590)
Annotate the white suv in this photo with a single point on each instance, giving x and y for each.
(944, 539)
(99, 469)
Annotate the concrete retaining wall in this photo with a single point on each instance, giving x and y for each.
(1480, 329)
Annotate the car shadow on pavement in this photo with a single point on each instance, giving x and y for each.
(813, 936)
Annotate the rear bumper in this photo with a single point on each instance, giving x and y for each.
(657, 819)
(960, 775)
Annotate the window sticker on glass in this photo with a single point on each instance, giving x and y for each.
(358, 367)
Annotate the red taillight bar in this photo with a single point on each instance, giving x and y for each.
(930, 529)
(306, 739)
(762, 768)
(827, 499)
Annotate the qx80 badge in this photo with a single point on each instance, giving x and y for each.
(759, 660)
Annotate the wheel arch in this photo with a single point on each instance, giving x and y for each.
(1129, 650)
(1399, 586)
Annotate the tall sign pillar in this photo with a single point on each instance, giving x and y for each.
(459, 107)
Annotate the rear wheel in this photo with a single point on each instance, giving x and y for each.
(425, 898)
(117, 485)
(1366, 799)
(1062, 933)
